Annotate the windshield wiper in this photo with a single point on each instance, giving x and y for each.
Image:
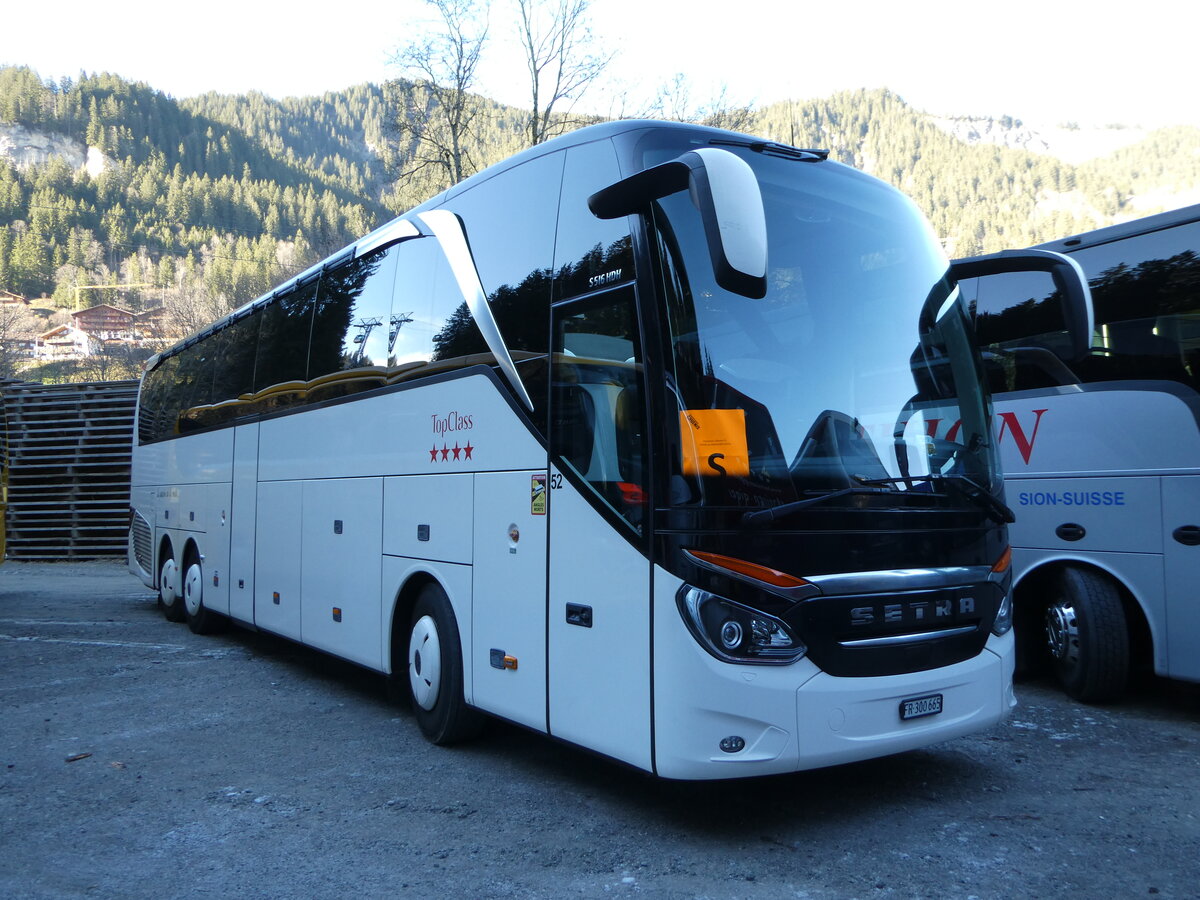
(967, 487)
(760, 517)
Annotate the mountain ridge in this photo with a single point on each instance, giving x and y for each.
(106, 181)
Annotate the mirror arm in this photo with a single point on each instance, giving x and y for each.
(725, 191)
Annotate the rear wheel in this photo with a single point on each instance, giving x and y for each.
(435, 672)
(170, 594)
(1087, 635)
(200, 618)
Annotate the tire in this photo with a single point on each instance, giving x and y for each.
(1087, 636)
(435, 672)
(170, 596)
(200, 619)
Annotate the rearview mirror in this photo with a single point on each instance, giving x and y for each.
(1068, 278)
(725, 191)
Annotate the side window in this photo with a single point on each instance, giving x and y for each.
(349, 347)
(281, 364)
(1146, 292)
(158, 411)
(597, 406)
(590, 253)
(195, 378)
(510, 223)
(430, 327)
(236, 347)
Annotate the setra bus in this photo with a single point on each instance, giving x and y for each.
(627, 440)
(1103, 455)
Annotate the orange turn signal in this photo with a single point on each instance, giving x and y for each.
(765, 574)
(1005, 560)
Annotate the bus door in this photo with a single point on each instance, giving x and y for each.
(599, 572)
(1181, 546)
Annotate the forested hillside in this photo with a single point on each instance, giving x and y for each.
(981, 197)
(201, 204)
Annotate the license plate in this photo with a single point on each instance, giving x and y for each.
(921, 706)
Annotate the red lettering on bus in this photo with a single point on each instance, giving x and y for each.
(1013, 424)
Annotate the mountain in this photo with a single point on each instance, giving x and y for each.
(203, 203)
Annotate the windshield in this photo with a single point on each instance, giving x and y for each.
(852, 378)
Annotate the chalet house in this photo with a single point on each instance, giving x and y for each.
(105, 322)
(65, 342)
(8, 298)
(149, 327)
(89, 330)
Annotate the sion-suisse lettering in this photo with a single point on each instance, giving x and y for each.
(1071, 498)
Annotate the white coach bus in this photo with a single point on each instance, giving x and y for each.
(626, 440)
(1102, 454)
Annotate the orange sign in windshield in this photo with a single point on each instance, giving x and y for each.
(714, 442)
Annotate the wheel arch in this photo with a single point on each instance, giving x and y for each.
(166, 547)
(191, 547)
(1031, 592)
(401, 615)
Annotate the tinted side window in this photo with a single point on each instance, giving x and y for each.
(429, 320)
(195, 383)
(1146, 291)
(510, 221)
(281, 364)
(590, 252)
(349, 347)
(156, 416)
(236, 348)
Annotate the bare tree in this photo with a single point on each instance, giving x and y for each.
(113, 361)
(435, 111)
(19, 329)
(674, 102)
(555, 37)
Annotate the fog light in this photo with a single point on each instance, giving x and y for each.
(733, 744)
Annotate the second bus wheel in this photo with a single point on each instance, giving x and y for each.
(1087, 635)
(170, 596)
(435, 671)
(200, 619)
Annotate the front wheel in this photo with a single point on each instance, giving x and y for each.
(435, 672)
(1087, 636)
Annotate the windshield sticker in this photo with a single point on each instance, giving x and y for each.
(713, 442)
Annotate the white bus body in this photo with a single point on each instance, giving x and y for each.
(1104, 470)
(514, 521)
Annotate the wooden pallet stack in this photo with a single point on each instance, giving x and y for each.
(68, 479)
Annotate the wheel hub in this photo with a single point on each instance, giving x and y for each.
(166, 582)
(193, 589)
(425, 662)
(1062, 632)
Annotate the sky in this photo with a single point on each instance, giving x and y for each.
(1044, 62)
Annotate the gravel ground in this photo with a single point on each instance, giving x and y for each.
(140, 760)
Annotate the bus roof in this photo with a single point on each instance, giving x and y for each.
(1124, 230)
(587, 135)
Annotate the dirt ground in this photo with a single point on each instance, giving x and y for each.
(140, 760)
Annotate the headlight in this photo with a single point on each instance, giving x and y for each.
(1003, 623)
(736, 633)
